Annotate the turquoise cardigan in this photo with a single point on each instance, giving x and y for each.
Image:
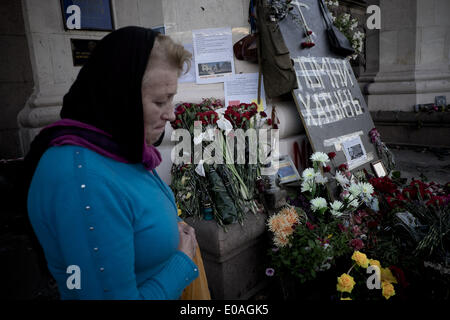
(116, 222)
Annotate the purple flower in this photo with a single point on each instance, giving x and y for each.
(270, 272)
(275, 249)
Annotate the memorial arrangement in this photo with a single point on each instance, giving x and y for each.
(350, 228)
(212, 182)
(404, 226)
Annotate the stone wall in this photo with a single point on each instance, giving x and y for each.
(16, 79)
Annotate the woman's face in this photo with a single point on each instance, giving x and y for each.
(158, 90)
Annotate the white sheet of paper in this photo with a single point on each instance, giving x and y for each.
(190, 76)
(354, 152)
(243, 88)
(213, 51)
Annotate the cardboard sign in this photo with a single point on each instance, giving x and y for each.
(332, 108)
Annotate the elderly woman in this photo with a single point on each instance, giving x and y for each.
(95, 201)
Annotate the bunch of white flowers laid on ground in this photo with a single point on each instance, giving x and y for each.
(353, 193)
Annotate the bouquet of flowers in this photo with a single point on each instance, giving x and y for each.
(349, 26)
(219, 188)
(370, 276)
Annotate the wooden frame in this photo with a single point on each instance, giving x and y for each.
(379, 169)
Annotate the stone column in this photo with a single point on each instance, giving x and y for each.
(413, 68)
(413, 54)
(51, 56)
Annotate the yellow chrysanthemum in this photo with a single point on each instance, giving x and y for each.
(345, 283)
(360, 259)
(386, 275)
(373, 262)
(280, 242)
(387, 289)
(282, 224)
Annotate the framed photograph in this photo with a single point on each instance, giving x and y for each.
(287, 172)
(379, 169)
(81, 50)
(87, 15)
(354, 152)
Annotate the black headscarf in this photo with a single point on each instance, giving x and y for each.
(107, 91)
(105, 95)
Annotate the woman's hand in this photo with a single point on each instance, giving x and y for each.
(188, 242)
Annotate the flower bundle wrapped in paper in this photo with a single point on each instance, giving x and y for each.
(221, 174)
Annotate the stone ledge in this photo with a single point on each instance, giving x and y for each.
(234, 260)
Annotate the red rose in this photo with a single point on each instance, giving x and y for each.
(263, 114)
(269, 122)
(327, 169)
(342, 228)
(331, 155)
(343, 167)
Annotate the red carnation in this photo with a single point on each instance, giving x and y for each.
(343, 167)
(435, 201)
(331, 155)
(327, 169)
(263, 114)
(269, 122)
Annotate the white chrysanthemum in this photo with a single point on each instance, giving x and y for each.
(346, 17)
(318, 203)
(355, 189)
(336, 213)
(353, 201)
(308, 174)
(366, 189)
(336, 205)
(320, 157)
(306, 186)
(320, 179)
(341, 179)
